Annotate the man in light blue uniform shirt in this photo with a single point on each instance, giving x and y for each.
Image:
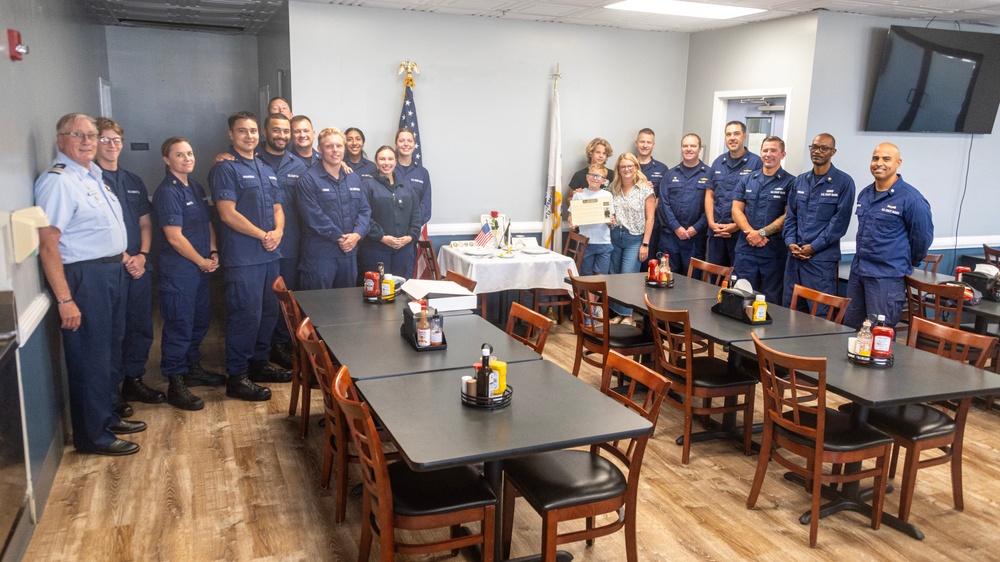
(681, 207)
(247, 197)
(759, 212)
(895, 230)
(728, 169)
(819, 212)
(288, 169)
(82, 256)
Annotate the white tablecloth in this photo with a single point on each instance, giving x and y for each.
(523, 271)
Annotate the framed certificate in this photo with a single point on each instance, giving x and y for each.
(590, 211)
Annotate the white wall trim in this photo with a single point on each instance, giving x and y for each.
(949, 243)
(472, 228)
(31, 317)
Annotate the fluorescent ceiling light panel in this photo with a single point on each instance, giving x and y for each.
(684, 9)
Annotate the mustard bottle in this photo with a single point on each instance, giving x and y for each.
(759, 309)
(500, 368)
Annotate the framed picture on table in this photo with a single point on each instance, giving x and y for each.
(487, 219)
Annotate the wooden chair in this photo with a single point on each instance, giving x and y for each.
(595, 334)
(536, 326)
(941, 304)
(932, 261)
(426, 252)
(335, 449)
(302, 374)
(574, 484)
(714, 274)
(992, 255)
(836, 307)
(698, 378)
(396, 497)
(469, 284)
(924, 427)
(576, 245)
(710, 272)
(797, 420)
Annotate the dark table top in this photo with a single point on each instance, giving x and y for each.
(376, 349)
(916, 375)
(550, 410)
(786, 323)
(333, 307)
(629, 289)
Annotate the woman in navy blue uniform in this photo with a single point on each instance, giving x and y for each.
(355, 156)
(395, 222)
(187, 254)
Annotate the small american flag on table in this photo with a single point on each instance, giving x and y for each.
(485, 236)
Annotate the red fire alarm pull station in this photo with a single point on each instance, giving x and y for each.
(15, 47)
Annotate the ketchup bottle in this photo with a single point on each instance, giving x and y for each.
(882, 337)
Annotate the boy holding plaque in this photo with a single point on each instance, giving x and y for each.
(591, 210)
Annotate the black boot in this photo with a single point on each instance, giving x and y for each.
(240, 386)
(179, 396)
(281, 354)
(198, 376)
(262, 371)
(134, 390)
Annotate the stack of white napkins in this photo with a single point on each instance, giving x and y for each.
(444, 296)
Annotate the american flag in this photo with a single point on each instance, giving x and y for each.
(485, 236)
(408, 119)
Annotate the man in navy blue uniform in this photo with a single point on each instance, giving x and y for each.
(759, 212)
(819, 212)
(654, 170)
(335, 216)
(81, 253)
(288, 169)
(729, 168)
(895, 230)
(302, 140)
(134, 199)
(248, 199)
(681, 208)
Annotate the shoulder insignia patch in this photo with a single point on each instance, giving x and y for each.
(57, 168)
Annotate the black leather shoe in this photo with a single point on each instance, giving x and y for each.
(125, 427)
(198, 376)
(179, 396)
(123, 409)
(118, 448)
(262, 371)
(240, 386)
(134, 390)
(281, 354)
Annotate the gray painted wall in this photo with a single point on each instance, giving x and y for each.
(847, 47)
(166, 83)
(483, 95)
(775, 54)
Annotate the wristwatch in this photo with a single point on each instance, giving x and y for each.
(762, 233)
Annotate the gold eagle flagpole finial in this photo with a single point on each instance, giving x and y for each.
(409, 67)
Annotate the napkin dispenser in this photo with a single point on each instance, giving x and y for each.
(984, 280)
(735, 301)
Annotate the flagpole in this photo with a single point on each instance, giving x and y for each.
(551, 225)
(408, 118)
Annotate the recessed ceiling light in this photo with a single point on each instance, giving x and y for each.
(684, 9)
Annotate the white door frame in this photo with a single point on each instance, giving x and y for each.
(717, 145)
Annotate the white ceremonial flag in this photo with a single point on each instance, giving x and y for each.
(551, 225)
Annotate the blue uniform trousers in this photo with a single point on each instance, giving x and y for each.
(722, 251)
(253, 311)
(288, 268)
(94, 350)
(397, 262)
(871, 296)
(186, 308)
(764, 274)
(817, 275)
(681, 251)
(138, 325)
(329, 273)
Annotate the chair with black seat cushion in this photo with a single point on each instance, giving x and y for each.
(427, 253)
(836, 307)
(574, 484)
(536, 326)
(932, 262)
(797, 420)
(396, 497)
(576, 245)
(595, 334)
(698, 378)
(301, 370)
(925, 427)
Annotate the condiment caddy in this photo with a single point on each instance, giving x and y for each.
(659, 274)
(872, 347)
(423, 330)
(746, 306)
(488, 389)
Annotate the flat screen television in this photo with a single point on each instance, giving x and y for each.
(937, 81)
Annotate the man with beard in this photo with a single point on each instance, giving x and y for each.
(729, 168)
